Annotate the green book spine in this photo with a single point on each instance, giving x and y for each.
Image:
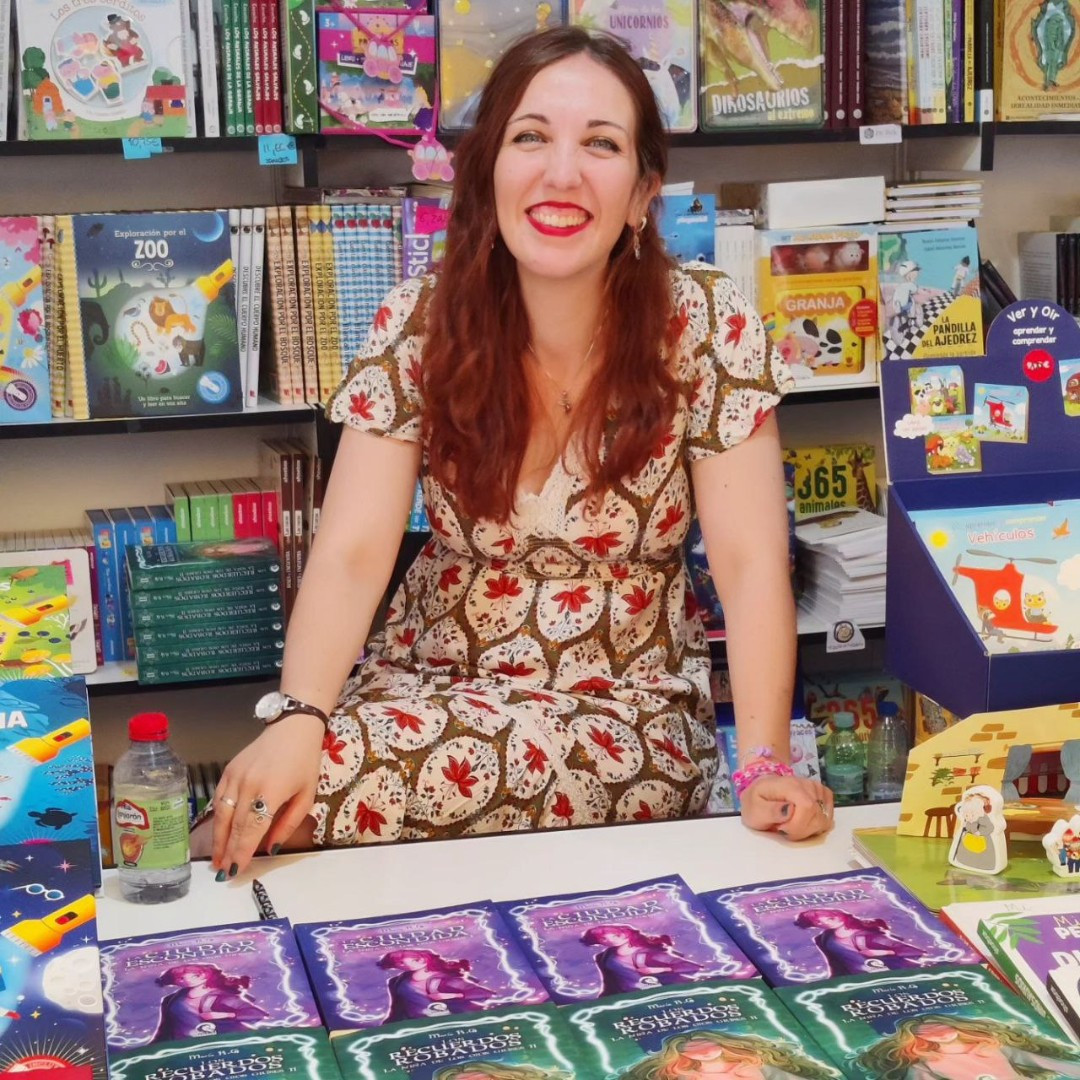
(202, 633)
(214, 593)
(248, 94)
(994, 934)
(229, 35)
(209, 669)
(170, 566)
(226, 525)
(260, 607)
(301, 77)
(238, 649)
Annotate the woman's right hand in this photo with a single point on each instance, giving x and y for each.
(281, 767)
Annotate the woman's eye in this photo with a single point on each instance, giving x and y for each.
(603, 143)
(526, 136)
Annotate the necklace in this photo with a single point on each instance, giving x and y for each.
(564, 394)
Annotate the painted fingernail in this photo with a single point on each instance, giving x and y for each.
(785, 809)
(275, 849)
(220, 875)
(233, 869)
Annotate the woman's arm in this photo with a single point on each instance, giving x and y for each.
(363, 519)
(740, 505)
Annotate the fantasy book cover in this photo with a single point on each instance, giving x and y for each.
(47, 765)
(194, 984)
(50, 988)
(1013, 570)
(804, 930)
(368, 972)
(722, 1029)
(653, 933)
(207, 562)
(24, 353)
(688, 227)
(99, 70)
(949, 1022)
(282, 1054)
(473, 34)
(930, 300)
(661, 36)
(1038, 60)
(762, 63)
(35, 627)
(516, 1043)
(157, 307)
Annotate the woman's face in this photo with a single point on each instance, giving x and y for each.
(191, 978)
(566, 178)
(703, 1050)
(615, 937)
(412, 963)
(828, 920)
(938, 1033)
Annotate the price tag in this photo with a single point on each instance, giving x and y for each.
(880, 134)
(141, 149)
(277, 150)
(844, 636)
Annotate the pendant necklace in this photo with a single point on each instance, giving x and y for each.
(564, 394)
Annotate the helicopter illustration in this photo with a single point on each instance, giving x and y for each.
(1005, 608)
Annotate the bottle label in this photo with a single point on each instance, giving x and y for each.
(845, 779)
(152, 834)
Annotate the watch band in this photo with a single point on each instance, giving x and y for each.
(277, 705)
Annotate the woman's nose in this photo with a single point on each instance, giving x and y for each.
(563, 166)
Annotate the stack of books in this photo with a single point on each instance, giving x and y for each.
(843, 564)
(206, 610)
(932, 203)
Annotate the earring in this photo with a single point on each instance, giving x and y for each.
(637, 236)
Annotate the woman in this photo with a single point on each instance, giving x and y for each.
(632, 960)
(943, 1047)
(208, 1002)
(569, 399)
(853, 945)
(493, 1070)
(716, 1053)
(429, 985)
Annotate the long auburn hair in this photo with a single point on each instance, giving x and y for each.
(476, 398)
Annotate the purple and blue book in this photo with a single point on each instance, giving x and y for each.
(438, 963)
(653, 933)
(195, 984)
(804, 930)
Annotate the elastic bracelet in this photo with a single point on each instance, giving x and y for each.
(741, 779)
(756, 752)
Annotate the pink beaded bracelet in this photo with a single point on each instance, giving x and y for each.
(741, 779)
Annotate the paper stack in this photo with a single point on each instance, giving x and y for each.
(842, 555)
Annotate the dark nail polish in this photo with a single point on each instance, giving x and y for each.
(233, 869)
(786, 809)
(275, 849)
(220, 875)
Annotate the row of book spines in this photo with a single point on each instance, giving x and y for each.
(250, 48)
(254, 648)
(232, 509)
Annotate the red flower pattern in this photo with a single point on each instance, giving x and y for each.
(643, 812)
(515, 671)
(601, 546)
(594, 685)
(459, 773)
(606, 741)
(670, 748)
(736, 324)
(672, 516)
(332, 747)
(572, 599)
(535, 757)
(382, 317)
(503, 585)
(450, 576)
(405, 720)
(368, 819)
(638, 600)
(360, 405)
(562, 807)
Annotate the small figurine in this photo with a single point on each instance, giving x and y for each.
(979, 839)
(1062, 844)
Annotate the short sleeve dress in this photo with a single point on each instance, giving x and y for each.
(549, 671)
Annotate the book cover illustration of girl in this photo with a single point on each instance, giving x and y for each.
(427, 984)
(714, 1053)
(492, 1070)
(942, 1047)
(633, 960)
(853, 945)
(206, 1001)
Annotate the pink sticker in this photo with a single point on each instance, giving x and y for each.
(431, 219)
(1038, 365)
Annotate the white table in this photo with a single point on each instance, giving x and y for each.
(396, 878)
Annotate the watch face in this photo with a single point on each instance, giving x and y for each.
(270, 705)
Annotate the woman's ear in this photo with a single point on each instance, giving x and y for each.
(647, 190)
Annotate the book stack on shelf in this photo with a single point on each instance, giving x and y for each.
(923, 204)
(1050, 263)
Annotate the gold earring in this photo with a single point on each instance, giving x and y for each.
(637, 236)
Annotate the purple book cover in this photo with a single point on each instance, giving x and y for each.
(368, 972)
(196, 983)
(654, 933)
(804, 930)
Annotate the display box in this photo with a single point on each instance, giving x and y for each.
(983, 591)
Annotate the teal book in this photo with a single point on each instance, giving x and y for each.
(937, 1024)
(198, 615)
(208, 562)
(720, 1028)
(157, 308)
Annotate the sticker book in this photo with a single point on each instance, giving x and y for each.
(528, 1042)
(195, 984)
(35, 629)
(949, 1021)
(24, 353)
(1013, 570)
(50, 988)
(444, 962)
(677, 1031)
(804, 930)
(653, 933)
(157, 309)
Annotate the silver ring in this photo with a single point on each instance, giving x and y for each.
(261, 811)
(823, 808)
(231, 803)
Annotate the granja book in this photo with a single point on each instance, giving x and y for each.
(804, 930)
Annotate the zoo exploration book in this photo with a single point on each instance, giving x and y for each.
(156, 302)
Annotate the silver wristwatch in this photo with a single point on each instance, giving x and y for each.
(270, 708)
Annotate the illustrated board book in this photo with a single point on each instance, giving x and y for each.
(35, 627)
(24, 351)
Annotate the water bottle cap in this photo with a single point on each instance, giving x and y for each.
(887, 708)
(148, 727)
(843, 719)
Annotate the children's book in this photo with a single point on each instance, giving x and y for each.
(196, 984)
(736, 1028)
(1011, 570)
(24, 352)
(172, 566)
(944, 1022)
(762, 73)
(47, 765)
(50, 987)
(157, 309)
(688, 226)
(804, 930)
(1064, 989)
(930, 300)
(653, 933)
(35, 630)
(283, 1054)
(368, 972)
(101, 70)
(661, 36)
(526, 1042)
(423, 234)
(1038, 62)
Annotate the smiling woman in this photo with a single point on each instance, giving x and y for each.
(569, 398)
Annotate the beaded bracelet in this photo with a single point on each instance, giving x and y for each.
(741, 779)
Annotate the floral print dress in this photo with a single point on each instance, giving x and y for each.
(550, 671)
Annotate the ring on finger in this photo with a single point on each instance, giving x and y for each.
(230, 803)
(261, 810)
(822, 807)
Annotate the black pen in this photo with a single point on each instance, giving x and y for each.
(262, 900)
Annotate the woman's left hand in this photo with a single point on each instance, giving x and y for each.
(790, 805)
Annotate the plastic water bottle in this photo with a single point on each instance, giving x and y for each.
(150, 815)
(886, 753)
(845, 761)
